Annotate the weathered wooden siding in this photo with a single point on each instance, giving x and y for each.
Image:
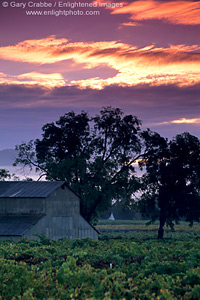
(61, 210)
(22, 206)
(56, 227)
(86, 230)
(62, 202)
(10, 238)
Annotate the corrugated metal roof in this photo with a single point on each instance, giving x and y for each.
(28, 189)
(17, 225)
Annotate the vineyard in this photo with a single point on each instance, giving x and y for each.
(118, 266)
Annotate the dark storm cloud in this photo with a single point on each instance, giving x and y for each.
(24, 110)
(32, 107)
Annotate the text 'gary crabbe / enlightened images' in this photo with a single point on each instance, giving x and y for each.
(60, 4)
(60, 8)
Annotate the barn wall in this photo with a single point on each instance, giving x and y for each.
(61, 210)
(63, 219)
(10, 238)
(63, 202)
(63, 227)
(22, 206)
(86, 230)
(53, 228)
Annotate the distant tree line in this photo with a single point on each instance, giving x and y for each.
(97, 156)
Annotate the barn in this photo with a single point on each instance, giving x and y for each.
(47, 208)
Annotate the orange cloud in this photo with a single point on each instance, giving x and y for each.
(51, 50)
(33, 51)
(34, 78)
(130, 24)
(186, 121)
(176, 12)
(177, 64)
(181, 121)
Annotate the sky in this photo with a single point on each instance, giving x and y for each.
(59, 56)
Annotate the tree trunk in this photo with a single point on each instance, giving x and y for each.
(163, 195)
(161, 228)
(91, 211)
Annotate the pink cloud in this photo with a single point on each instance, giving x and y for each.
(176, 12)
(33, 78)
(182, 121)
(176, 64)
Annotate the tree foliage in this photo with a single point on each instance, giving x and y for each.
(94, 156)
(5, 175)
(171, 184)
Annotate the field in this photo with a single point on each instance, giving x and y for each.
(121, 265)
(143, 225)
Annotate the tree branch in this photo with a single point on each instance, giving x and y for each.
(105, 144)
(125, 167)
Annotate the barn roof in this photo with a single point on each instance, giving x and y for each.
(28, 189)
(17, 225)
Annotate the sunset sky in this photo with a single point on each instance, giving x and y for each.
(140, 56)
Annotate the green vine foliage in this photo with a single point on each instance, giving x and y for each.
(107, 269)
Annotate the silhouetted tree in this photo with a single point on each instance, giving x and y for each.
(171, 184)
(94, 156)
(5, 175)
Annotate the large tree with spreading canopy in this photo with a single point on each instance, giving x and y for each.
(94, 156)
